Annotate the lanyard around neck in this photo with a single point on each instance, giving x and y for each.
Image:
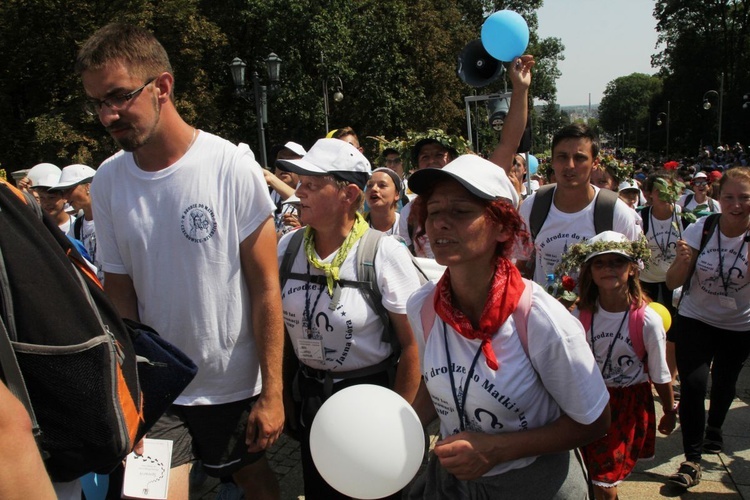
(460, 405)
(725, 281)
(608, 360)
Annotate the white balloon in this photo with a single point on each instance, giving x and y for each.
(367, 441)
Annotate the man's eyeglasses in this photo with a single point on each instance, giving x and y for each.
(700, 183)
(392, 161)
(93, 106)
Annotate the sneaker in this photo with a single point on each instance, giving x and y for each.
(713, 442)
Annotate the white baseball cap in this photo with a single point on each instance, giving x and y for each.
(44, 175)
(331, 157)
(628, 184)
(480, 177)
(295, 148)
(73, 175)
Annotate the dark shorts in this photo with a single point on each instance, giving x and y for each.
(214, 434)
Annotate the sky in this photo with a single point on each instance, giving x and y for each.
(604, 39)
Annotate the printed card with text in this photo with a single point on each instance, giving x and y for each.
(147, 475)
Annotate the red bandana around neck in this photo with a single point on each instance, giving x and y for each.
(505, 292)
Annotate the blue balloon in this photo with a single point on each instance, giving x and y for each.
(505, 35)
(533, 164)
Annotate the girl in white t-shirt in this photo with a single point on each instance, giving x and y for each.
(382, 194)
(712, 327)
(628, 342)
(504, 367)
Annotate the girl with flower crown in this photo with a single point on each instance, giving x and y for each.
(628, 342)
(504, 367)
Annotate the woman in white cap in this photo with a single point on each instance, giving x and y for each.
(339, 337)
(712, 327)
(505, 367)
(690, 201)
(629, 343)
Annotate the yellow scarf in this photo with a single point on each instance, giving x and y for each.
(332, 270)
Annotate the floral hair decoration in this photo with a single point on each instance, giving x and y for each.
(578, 254)
(620, 171)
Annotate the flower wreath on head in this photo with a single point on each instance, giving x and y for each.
(574, 258)
(404, 145)
(562, 284)
(619, 170)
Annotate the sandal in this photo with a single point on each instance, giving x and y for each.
(713, 442)
(688, 475)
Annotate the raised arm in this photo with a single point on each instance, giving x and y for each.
(515, 123)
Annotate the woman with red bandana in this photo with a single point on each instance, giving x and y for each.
(504, 366)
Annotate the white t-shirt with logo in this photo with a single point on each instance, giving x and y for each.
(562, 230)
(558, 376)
(177, 234)
(707, 299)
(350, 336)
(662, 239)
(623, 367)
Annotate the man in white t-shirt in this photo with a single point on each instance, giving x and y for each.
(187, 241)
(571, 215)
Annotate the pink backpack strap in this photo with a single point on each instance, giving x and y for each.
(521, 315)
(584, 316)
(427, 314)
(635, 327)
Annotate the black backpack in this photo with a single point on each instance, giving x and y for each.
(92, 385)
(604, 209)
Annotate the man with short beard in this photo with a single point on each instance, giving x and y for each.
(188, 246)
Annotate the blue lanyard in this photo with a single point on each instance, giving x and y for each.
(725, 281)
(460, 406)
(308, 314)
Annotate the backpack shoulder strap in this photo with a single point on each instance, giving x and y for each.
(521, 315)
(295, 243)
(78, 227)
(604, 210)
(365, 264)
(688, 199)
(708, 229)
(635, 328)
(584, 316)
(712, 220)
(427, 314)
(540, 209)
(645, 212)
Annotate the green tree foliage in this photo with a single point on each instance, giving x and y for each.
(395, 58)
(625, 105)
(700, 39)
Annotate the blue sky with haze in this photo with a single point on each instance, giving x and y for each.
(604, 39)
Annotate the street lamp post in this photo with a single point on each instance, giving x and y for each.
(659, 122)
(717, 95)
(259, 96)
(338, 95)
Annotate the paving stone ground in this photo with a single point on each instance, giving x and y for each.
(725, 476)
